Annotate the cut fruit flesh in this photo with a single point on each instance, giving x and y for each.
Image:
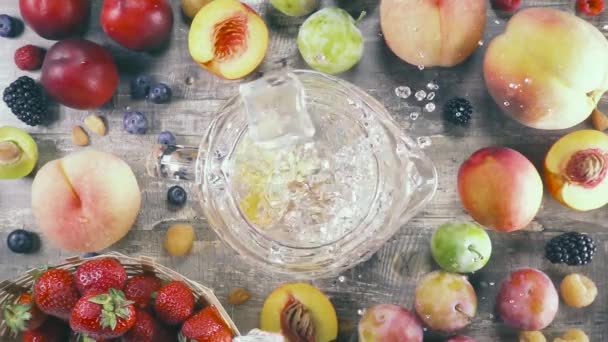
(574, 194)
(319, 306)
(18, 153)
(228, 38)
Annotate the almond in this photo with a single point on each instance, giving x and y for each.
(599, 120)
(79, 136)
(95, 124)
(238, 296)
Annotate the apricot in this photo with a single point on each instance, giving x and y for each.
(300, 310)
(500, 188)
(433, 33)
(549, 69)
(228, 38)
(191, 7)
(573, 335)
(85, 201)
(531, 336)
(576, 169)
(179, 239)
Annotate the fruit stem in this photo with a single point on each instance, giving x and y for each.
(459, 309)
(10, 153)
(472, 249)
(361, 16)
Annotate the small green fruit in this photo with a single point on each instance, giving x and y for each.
(18, 153)
(330, 41)
(295, 8)
(461, 248)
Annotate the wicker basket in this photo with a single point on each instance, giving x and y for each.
(10, 290)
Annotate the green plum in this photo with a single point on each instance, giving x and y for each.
(295, 8)
(18, 153)
(461, 248)
(330, 41)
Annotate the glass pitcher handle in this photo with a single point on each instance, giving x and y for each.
(174, 162)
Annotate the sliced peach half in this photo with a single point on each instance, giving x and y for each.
(576, 170)
(301, 312)
(228, 38)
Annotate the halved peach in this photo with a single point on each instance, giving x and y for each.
(228, 38)
(576, 170)
(300, 301)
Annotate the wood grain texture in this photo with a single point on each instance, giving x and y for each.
(391, 274)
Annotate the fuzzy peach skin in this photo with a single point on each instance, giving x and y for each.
(433, 32)
(548, 70)
(85, 201)
(500, 188)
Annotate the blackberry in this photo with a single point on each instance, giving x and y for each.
(571, 249)
(26, 100)
(458, 111)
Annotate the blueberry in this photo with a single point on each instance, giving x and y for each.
(166, 138)
(177, 195)
(160, 93)
(9, 26)
(140, 86)
(135, 122)
(21, 241)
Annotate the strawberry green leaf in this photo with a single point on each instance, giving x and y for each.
(101, 299)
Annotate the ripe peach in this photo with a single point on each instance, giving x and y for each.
(445, 301)
(140, 25)
(301, 306)
(549, 69)
(56, 19)
(431, 32)
(85, 201)
(500, 188)
(576, 170)
(228, 38)
(527, 300)
(79, 73)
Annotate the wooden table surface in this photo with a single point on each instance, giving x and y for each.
(391, 274)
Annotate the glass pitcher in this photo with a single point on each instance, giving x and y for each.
(310, 193)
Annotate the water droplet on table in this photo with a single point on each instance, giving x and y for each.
(492, 283)
(497, 22)
(414, 115)
(424, 142)
(480, 43)
(430, 107)
(430, 96)
(403, 92)
(421, 67)
(190, 80)
(361, 312)
(432, 86)
(506, 103)
(420, 95)
(605, 27)
(341, 279)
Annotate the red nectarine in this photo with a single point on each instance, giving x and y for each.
(79, 74)
(141, 25)
(500, 188)
(56, 19)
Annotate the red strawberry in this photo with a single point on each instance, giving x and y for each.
(100, 275)
(24, 314)
(145, 329)
(506, 5)
(140, 289)
(207, 326)
(53, 330)
(55, 293)
(174, 303)
(103, 315)
(29, 57)
(590, 7)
